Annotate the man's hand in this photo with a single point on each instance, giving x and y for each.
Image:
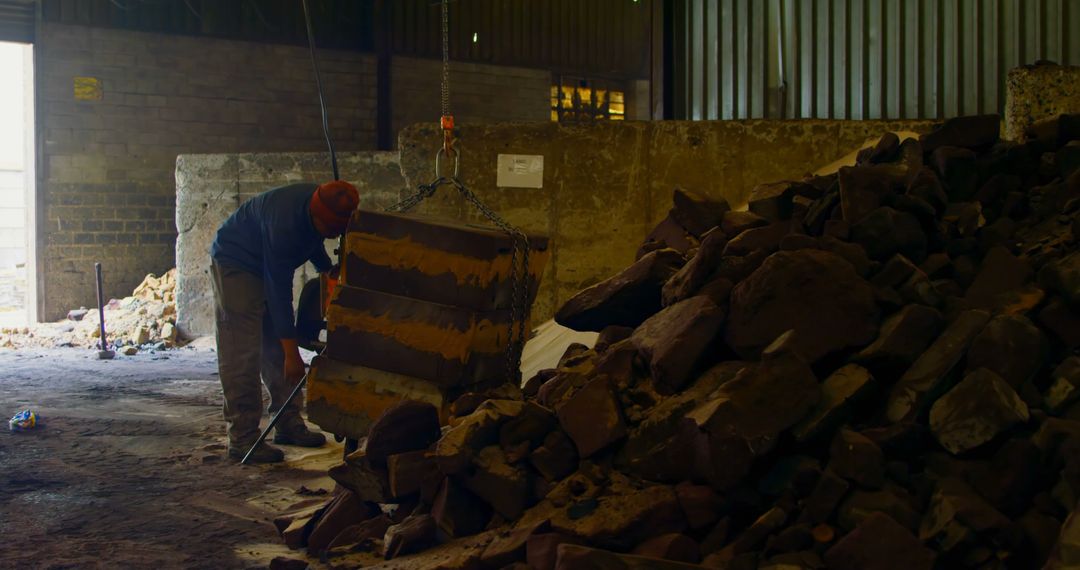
(294, 365)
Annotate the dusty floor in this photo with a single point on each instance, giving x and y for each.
(128, 469)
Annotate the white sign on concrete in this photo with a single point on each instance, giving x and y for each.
(520, 171)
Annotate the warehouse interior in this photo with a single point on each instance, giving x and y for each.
(540, 284)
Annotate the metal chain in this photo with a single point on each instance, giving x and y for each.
(445, 57)
(519, 264)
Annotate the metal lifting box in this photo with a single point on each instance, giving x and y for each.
(424, 310)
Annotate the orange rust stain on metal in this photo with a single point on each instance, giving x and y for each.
(404, 254)
(451, 343)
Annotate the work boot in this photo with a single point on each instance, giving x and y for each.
(298, 434)
(265, 453)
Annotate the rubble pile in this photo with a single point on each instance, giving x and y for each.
(142, 321)
(873, 369)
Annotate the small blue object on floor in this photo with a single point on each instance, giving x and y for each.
(23, 421)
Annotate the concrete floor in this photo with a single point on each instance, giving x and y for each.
(128, 471)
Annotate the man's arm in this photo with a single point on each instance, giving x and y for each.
(277, 283)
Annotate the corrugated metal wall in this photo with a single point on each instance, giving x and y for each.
(607, 38)
(858, 59)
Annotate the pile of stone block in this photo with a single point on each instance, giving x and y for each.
(144, 320)
(874, 369)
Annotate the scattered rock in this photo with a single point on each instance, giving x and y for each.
(673, 340)
(626, 299)
(919, 386)
(407, 426)
(592, 417)
(697, 213)
(977, 410)
(1011, 346)
(879, 543)
(815, 293)
(841, 390)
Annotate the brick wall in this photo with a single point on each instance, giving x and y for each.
(107, 189)
(478, 93)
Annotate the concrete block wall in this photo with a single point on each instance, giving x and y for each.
(209, 188)
(106, 187)
(1038, 92)
(479, 93)
(606, 185)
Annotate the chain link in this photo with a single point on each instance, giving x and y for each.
(445, 57)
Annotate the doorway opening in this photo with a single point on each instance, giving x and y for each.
(17, 290)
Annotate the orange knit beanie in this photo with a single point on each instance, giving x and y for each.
(333, 203)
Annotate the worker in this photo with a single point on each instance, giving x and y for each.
(253, 259)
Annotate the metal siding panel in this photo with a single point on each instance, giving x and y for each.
(856, 69)
(992, 75)
(911, 50)
(840, 60)
(727, 78)
(806, 58)
(695, 62)
(742, 16)
(759, 71)
(951, 58)
(968, 59)
(823, 57)
(875, 55)
(712, 60)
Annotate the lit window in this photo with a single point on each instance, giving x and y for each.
(576, 99)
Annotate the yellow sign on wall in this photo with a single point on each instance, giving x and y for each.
(87, 89)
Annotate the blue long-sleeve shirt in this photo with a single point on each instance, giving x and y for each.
(271, 235)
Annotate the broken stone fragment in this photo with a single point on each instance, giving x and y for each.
(816, 293)
(1063, 277)
(903, 337)
(956, 515)
(1066, 553)
(407, 426)
(737, 222)
(971, 131)
(754, 536)
(479, 429)
(343, 511)
(1061, 321)
(686, 282)
(884, 151)
(884, 232)
(674, 340)
(1001, 272)
(416, 533)
(894, 272)
(574, 557)
(1011, 346)
(623, 519)
(556, 458)
(626, 299)
(1065, 385)
(542, 549)
(407, 471)
(746, 416)
(363, 534)
(457, 512)
(857, 458)
(839, 392)
(592, 417)
(700, 504)
(863, 189)
(509, 547)
(668, 234)
(1008, 481)
(773, 201)
(507, 488)
(917, 389)
(766, 238)
(977, 410)
(357, 474)
(532, 425)
(672, 546)
(697, 213)
(892, 500)
(879, 543)
(819, 506)
(958, 169)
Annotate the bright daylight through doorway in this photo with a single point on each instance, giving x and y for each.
(16, 183)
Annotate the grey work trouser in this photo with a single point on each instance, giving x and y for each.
(247, 349)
